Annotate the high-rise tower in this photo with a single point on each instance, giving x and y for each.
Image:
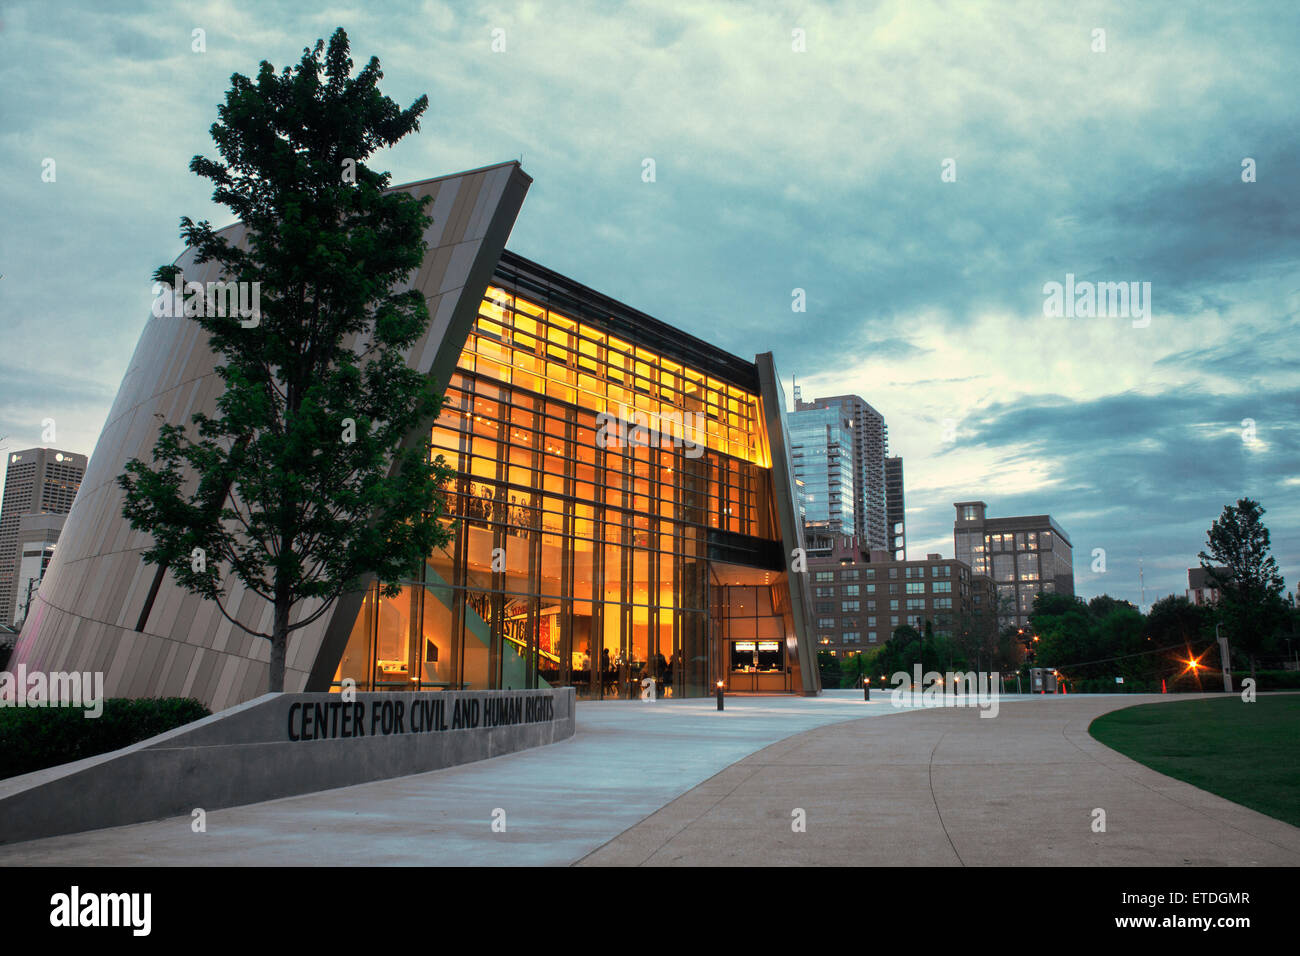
(37, 481)
(832, 430)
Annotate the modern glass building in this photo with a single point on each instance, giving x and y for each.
(822, 448)
(840, 447)
(614, 518)
(624, 512)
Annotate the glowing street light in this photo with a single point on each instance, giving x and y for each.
(1193, 665)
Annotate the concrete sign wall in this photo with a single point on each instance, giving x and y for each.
(280, 745)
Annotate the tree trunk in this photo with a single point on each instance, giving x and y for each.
(279, 643)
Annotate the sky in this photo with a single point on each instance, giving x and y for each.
(920, 170)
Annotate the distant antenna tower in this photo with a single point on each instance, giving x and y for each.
(1142, 585)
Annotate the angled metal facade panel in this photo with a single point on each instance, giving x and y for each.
(787, 516)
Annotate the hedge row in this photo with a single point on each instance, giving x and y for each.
(33, 738)
(1265, 680)
(1269, 680)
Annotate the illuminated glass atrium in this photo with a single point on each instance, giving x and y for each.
(614, 515)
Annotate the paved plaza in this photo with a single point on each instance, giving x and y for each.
(944, 787)
(676, 783)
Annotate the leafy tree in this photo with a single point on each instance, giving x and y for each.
(1104, 638)
(1291, 628)
(891, 656)
(1250, 603)
(905, 632)
(1104, 604)
(1051, 604)
(1175, 620)
(1063, 627)
(907, 648)
(303, 481)
(829, 666)
(976, 639)
(1118, 645)
(1109, 637)
(854, 667)
(850, 666)
(1010, 653)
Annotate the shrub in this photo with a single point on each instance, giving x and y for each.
(1269, 680)
(33, 738)
(829, 665)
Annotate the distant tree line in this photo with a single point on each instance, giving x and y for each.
(1175, 641)
(975, 643)
(1092, 643)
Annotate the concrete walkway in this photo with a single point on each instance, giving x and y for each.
(628, 759)
(675, 782)
(944, 787)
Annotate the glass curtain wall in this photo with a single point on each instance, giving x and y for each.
(589, 470)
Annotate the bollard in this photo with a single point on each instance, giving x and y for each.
(719, 695)
(866, 688)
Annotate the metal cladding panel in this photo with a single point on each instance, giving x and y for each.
(185, 647)
(787, 516)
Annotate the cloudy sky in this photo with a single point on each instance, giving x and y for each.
(776, 169)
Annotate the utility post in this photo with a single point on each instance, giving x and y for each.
(1225, 659)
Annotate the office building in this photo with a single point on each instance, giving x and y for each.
(1025, 556)
(624, 509)
(821, 449)
(860, 597)
(1202, 590)
(37, 481)
(37, 536)
(838, 446)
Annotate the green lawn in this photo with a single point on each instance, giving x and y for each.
(1247, 753)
